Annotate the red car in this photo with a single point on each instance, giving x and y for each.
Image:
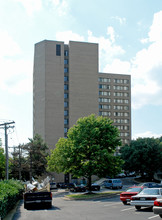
(125, 197)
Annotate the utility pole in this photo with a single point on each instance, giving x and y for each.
(5, 127)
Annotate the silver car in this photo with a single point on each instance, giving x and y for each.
(146, 197)
(157, 208)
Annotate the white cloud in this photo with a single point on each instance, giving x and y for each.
(155, 33)
(147, 134)
(108, 49)
(61, 7)
(111, 33)
(118, 66)
(145, 68)
(121, 20)
(15, 72)
(31, 5)
(17, 76)
(67, 36)
(8, 46)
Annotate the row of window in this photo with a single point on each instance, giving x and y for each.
(121, 121)
(104, 93)
(124, 134)
(121, 114)
(121, 94)
(108, 80)
(104, 113)
(120, 87)
(122, 127)
(103, 86)
(116, 114)
(104, 106)
(123, 81)
(121, 107)
(121, 101)
(116, 107)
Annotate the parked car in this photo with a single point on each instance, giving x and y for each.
(94, 187)
(113, 184)
(53, 186)
(146, 197)
(151, 185)
(157, 208)
(76, 188)
(125, 197)
(62, 185)
(120, 175)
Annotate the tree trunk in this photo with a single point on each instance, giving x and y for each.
(89, 184)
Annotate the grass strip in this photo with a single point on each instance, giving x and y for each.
(91, 196)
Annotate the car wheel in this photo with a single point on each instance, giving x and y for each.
(160, 215)
(125, 202)
(137, 207)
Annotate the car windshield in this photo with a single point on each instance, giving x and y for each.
(149, 191)
(134, 190)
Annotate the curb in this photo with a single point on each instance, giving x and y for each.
(11, 213)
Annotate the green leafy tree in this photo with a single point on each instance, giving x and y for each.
(88, 150)
(144, 155)
(37, 151)
(2, 163)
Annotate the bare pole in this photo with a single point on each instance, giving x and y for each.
(5, 125)
(6, 150)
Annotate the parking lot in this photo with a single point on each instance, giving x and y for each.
(97, 209)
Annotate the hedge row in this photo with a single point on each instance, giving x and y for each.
(10, 193)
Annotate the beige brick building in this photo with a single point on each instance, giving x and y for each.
(67, 85)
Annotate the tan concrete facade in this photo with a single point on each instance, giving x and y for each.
(83, 80)
(48, 92)
(115, 102)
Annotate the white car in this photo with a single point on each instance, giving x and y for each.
(146, 197)
(157, 208)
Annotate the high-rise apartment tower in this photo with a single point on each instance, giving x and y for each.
(67, 86)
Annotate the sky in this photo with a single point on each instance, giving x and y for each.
(129, 34)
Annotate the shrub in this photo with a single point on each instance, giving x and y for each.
(10, 193)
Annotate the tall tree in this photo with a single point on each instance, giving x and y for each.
(88, 150)
(2, 163)
(37, 151)
(144, 155)
(19, 167)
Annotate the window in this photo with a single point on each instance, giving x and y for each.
(65, 53)
(65, 61)
(104, 100)
(65, 113)
(66, 79)
(65, 70)
(104, 93)
(65, 95)
(104, 79)
(104, 106)
(58, 50)
(65, 130)
(126, 81)
(104, 86)
(65, 87)
(65, 121)
(65, 104)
